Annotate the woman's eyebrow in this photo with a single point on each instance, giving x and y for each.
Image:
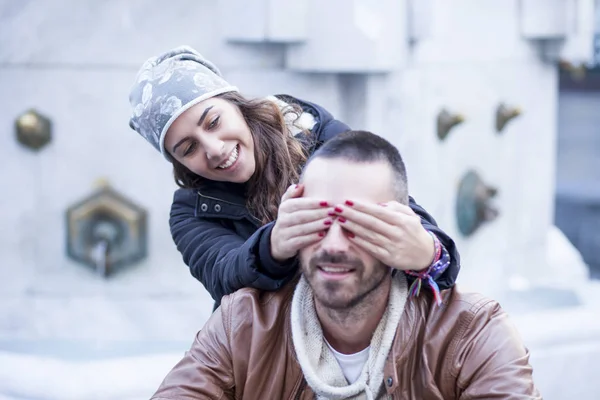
(203, 116)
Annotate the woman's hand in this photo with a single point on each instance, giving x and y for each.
(390, 232)
(301, 222)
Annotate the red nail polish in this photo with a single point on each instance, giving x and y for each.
(323, 204)
(331, 214)
(349, 203)
(338, 210)
(351, 235)
(327, 222)
(342, 219)
(322, 234)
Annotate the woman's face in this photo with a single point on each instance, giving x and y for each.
(212, 140)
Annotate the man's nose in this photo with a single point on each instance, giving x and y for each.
(335, 240)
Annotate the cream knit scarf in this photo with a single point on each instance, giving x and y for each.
(321, 370)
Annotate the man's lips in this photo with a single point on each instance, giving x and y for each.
(335, 269)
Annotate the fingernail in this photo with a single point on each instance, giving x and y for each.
(296, 187)
(327, 222)
(323, 204)
(349, 203)
(338, 210)
(322, 234)
(382, 204)
(342, 219)
(351, 235)
(331, 213)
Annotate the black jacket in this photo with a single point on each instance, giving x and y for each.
(227, 249)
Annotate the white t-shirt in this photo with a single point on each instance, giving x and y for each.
(351, 364)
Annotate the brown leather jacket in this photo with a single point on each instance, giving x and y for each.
(465, 349)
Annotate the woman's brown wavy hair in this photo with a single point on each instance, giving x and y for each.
(279, 156)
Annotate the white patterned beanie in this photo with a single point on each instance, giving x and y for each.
(166, 86)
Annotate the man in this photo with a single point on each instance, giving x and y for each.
(346, 328)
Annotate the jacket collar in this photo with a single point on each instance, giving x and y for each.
(227, 192)
(322, 118)
(403, 339)
(223, 200)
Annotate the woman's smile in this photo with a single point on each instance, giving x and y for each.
(231, 159)
(217, 143)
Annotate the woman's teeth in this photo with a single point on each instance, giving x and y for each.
(232, 158)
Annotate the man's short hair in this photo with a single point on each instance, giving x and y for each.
(366, 147)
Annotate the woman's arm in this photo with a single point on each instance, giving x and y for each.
(222, 260)
(447, 278)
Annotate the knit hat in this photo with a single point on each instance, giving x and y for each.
(166, 86)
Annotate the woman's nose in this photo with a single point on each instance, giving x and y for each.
(214, 148)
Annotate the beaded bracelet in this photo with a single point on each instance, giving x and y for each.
(440, 263)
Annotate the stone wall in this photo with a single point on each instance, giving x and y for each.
(389, 67)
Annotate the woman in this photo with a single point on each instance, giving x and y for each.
(239, 218)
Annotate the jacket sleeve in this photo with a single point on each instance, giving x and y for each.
(222, 260)
(491, 360)
(206, 370)
(448, 278)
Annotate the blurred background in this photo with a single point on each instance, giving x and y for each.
(494, 105)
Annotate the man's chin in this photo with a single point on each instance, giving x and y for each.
(335, 298)
(334, 303)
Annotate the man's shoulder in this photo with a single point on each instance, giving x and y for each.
(466, 305)
(250, 297)
(460, 318)
(466, 300)
(459, 312)
(482, 348)
(247, 305)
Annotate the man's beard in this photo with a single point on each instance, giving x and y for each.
(349, 292)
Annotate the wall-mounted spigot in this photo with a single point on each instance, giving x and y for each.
(577, 72)
(33, 130)
(446, 121)
(504, 114)
(473, 203)
(106, 234)
(106, 231)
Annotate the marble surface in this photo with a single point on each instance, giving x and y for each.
(78, 70)
(113, 34)
(74, 62)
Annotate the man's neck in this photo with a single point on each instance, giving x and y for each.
(350, 331)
